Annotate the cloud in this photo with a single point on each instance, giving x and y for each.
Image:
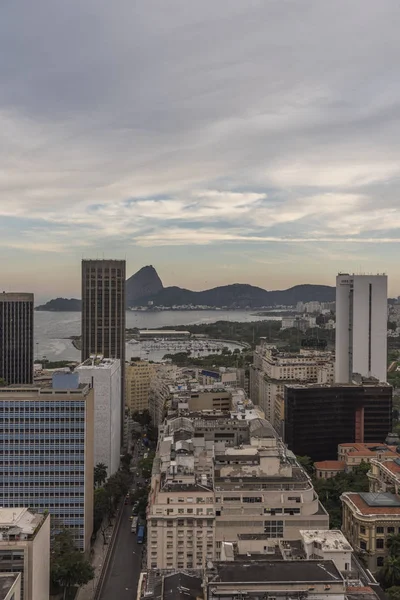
(153, 124)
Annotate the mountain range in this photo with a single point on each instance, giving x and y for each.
(146, 287)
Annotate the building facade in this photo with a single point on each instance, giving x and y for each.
(367, 521)
(206, 491)
(138, 378)
(46, 454)
(361, 327)
(103, 313)
(104, 376)
(16, 338)
(320, 417)
(272, 370)
(25, 549)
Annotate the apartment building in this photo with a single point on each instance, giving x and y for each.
(272, 370)
(320, 417)
(104, 376)
(46, 454)
(206, 491)
(195, 397)
(367, 521)
(138, 378)
(164, 376)
(25, 549)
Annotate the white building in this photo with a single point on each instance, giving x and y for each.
(361, 326)
(25, 549)
(104, 375)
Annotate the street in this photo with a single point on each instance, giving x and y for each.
(126, 562)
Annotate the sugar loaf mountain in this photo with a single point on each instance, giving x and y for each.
(146, 287)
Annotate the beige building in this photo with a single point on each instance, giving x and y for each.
(25, 549)
(195, 397)
(272, 370)
(384, 475)
(165, 375)
(138, 378)
(368, 519)
(10, 586)
(326, 469)
(354, 454)
(206, 491)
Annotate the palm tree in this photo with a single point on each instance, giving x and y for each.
(390, 572)
(100, 474)
(393, 544)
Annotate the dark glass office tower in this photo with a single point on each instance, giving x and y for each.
(16, 338)
(319, 417)
(103, 312)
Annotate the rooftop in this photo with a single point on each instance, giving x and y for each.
(330, 465)
(370, 504)
(98, 361)
(7, 581)
(19, 520)
(272, 571)
(331, 540)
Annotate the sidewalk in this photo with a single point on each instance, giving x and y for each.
(97, 556)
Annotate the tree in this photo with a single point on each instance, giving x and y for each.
(102, 507)
(393, 545)
(144, 418)
(69, 567)
(100, 474)
(393, 592)
(2, 382)
(306, 463)
(390, 572)
(126, 461)
(118, 486)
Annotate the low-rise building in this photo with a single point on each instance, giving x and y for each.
(368, 519)
(329, 544)
(325, 469)
(384, 475)
(25, 549)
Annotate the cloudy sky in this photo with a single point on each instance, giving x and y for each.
(221, 141)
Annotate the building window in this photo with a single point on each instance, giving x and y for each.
(380, 530)
(390, 529)
(362, 529)
(363, 545)
(379, 561)
(274, 529)
(380, 543)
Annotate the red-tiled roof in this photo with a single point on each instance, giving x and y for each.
(371, 510)
(392, 466)
(330, 465)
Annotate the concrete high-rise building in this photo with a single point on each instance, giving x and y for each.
(137, 385)
(16, 338)
(103, 313)
(361, 327)
(25, 549)
(46, 461)
(104, 375)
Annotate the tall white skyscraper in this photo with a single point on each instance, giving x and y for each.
(104, 376)
(361, 326)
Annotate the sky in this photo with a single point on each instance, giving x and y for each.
(250, 141)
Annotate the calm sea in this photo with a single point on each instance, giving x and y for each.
(53, 328)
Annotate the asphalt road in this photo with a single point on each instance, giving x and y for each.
(126, 563)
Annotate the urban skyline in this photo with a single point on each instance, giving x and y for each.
(149, 147)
